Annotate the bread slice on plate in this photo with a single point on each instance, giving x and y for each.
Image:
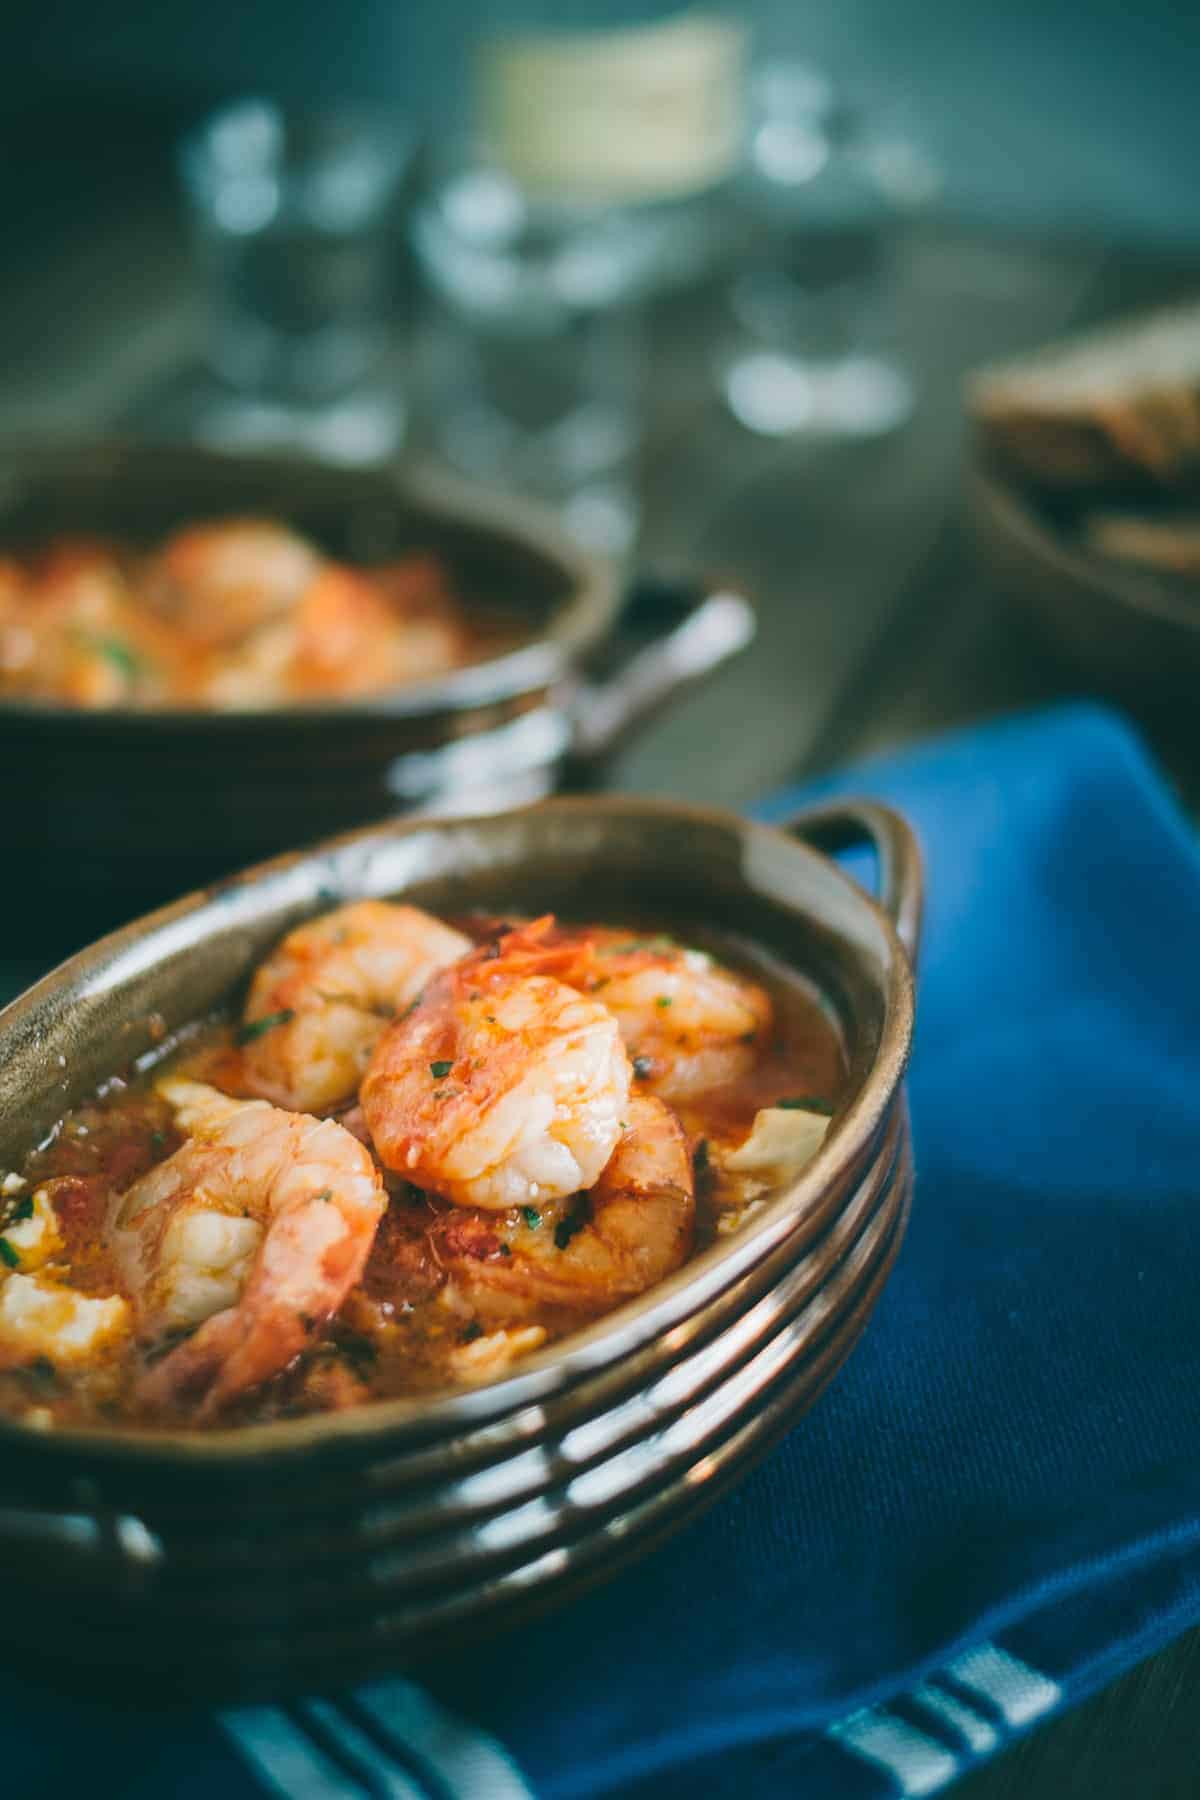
(1117, 405)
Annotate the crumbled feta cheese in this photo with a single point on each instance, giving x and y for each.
(38, 1318)
(37, 1238)
(489, 1355)
(782, 1140)
(736, 1216)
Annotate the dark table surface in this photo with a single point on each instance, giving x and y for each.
(876, 623)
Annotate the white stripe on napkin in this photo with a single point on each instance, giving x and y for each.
(1018, 1692)
(383, 1779)
(467, 1761)
(975, 1731)
(916, 1763)
(284, 1757)
(387, 1739)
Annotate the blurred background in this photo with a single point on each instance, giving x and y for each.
(708, 281)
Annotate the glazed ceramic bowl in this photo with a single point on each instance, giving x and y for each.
(268, 1558)
(120, 809)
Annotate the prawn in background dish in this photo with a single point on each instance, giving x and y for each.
(238, 613)
(75, 631)
(219, 581)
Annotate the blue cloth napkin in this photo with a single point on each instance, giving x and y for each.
(996, 1506)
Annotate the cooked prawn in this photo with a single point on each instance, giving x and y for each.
(222, 580)
(500, 1087)
(350, 639)
(689, 1024)
(254, 1232)
(322, 998)
(88, 642)
(584, 1255)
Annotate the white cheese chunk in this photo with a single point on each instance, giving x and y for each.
(38, 1318)
(35, 1239)
(783, 1139)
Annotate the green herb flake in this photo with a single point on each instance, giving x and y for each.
(9, 1255)
(531, 1216)
(663, 1000)
(806, 1103)
(325, 1194)
(158, 1142)
(114, 650)
(360, 1353)
(23, 1209)
(566, 1228)
(505, 1249)
(255, 1028)
(440, 1069)
(43, 1371)
(472, 1331)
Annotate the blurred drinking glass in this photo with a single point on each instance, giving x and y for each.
(295, 223)
(533, 356)
(813, 348)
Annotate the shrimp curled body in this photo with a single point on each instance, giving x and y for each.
(254, 1232)
(690, 1024)
(499, 1088)
(631, 1230)
(322, 998)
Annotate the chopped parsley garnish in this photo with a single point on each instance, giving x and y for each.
(23, 1209)
(11, 1256)
(440, 1069)
(254, 1028)
(642, 1066)
(114, 650)
(158, 1142)
(663, 1000)
(359, 1352)
(505, 1249)
(806, 1103)
(472, 1331)
(531, 1216)
(325, 1194)
(566, 1228)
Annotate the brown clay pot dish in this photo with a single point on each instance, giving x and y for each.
(398, 1525)
(1131, 634)
(119, 810)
